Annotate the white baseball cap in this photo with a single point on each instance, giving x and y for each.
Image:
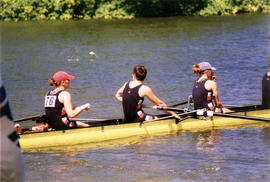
(206, 66)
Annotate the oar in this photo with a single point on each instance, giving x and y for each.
(87, 119)
(72, 119)
(27, 118)
(179, 104)
(170, 108)
(171, 116)
(243, 117)
(218, 114)
(239, 106)
(98, 122)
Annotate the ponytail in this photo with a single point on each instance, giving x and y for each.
(51, 82)
(196, 69)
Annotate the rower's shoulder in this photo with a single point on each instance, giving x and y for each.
(145, 89)
(145, 86)
(64, 93)
(211, 81)
(210, 84)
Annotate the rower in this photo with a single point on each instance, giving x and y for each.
(266, 90)
(132, 94)
(205, 90)
(58, 99)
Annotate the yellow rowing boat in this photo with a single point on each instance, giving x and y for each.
(115, 129)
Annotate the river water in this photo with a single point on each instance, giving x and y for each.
(238, 46)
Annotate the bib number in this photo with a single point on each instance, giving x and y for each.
(50, 101)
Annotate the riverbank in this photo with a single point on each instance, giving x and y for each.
(17, 10)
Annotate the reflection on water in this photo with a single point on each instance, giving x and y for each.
(207, 141)
(219, 155)
(238, 46)
(110, 144)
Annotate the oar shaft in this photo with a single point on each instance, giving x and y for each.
(242, 117)
(219, 114)
(88, 119)
(179, 104)
(164, 108)
(169, 108)
(27, 118)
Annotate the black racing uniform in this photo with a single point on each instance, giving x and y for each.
(53, 110)
(266, 91)
(132, 105)
(202, 98)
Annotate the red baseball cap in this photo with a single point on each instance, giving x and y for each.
(61, 76)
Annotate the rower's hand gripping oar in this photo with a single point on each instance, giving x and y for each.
(179, 117)
(166, 110)
(187, 114)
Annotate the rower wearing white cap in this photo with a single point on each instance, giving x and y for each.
(205, 90)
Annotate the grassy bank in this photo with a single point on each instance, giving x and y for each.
(21, 10)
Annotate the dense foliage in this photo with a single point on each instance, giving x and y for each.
(17, 10)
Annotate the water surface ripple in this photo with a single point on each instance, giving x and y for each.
(238, 46)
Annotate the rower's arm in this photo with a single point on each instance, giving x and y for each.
(215, 92)
(65, 98)
(119, 93)
(148, 92)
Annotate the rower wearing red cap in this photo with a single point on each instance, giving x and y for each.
(59, 99)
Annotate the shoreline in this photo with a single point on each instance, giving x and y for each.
(16, 10)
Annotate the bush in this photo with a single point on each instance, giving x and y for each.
(45, 9)
(18, 10)
(113, 9)
(228, 7)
